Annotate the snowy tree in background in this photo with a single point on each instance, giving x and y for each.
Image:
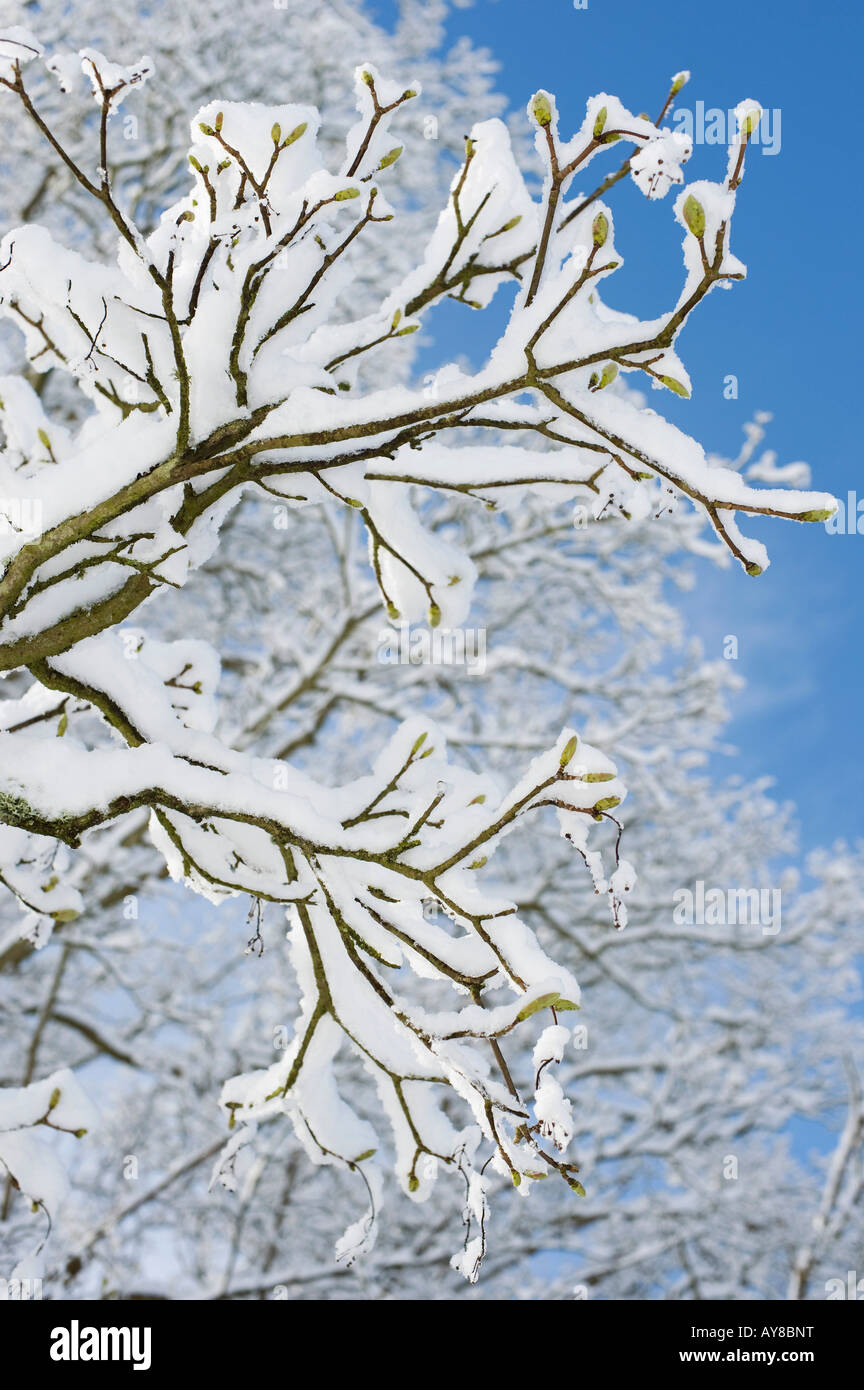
(221, 358)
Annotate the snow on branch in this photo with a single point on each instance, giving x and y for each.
(217, 360)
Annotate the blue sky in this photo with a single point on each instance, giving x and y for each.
(787, 333)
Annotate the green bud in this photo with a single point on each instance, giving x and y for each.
(478, 863)
(611, 137)
(434, 615)
(295, 134)
(206, 129)
(566, 1006)
(353, 502)
(368, 79)
(396, 319)
(600, 229)
(607, 803)
(368, 1154)
(678, 81)
(418, 744)
(62, 724)
(753, 569)
(750, 122)
(66, 914)
(608, 375)
(409, 95)
(276, 133)
(599, 777)
(222, 166)
(818, 515)
(55, 1098)
(391, 158)
(672, 385)
(393, 612)
(600, 123)
(413, 1183)
(477, 800)
(343, 385)
(220, 116)
(542, 109)
(508, 226)
(694, 215)
(569, 749)
(544, 1002)
(517, 1178)
(404, 332)
(576, 1186)
(345, 193)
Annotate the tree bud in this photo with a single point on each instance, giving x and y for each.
(545, 1001)
(569, 749)
(751, 121)
(391, 158)
(541, 108)
(694, 215)
(672, 385)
